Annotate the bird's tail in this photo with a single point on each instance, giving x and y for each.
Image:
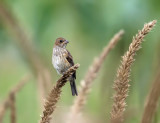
(73, 87)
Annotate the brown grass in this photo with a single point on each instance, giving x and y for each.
(54, 95)
(121, 83)
(90, 76)
(9, 101)
(152, 101)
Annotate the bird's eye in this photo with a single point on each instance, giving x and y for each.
(61, 41)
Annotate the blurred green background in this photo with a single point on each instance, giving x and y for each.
(88, 25)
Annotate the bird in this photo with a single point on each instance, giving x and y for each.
(62, 60)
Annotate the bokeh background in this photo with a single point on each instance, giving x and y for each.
(88, 25)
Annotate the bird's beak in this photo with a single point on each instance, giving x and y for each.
(66, 42)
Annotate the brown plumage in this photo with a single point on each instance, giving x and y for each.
(62, 60)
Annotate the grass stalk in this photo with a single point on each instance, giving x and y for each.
(54, 95)
(10, 99)
(152, 101)
(91, 74)
(13, 107)
(121, 83)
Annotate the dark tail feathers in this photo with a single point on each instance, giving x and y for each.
(73, 87)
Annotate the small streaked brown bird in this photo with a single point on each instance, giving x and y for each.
(62, 60)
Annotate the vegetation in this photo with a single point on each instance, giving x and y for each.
(27, 34)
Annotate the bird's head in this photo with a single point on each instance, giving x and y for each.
(61, 42)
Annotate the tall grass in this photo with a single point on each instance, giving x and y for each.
(121, 83)
(91, 75)
(54, 95)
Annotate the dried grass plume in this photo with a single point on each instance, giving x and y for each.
(54, 95)
(121, 83)
(93, 70)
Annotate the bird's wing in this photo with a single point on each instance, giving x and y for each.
(70, 60)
